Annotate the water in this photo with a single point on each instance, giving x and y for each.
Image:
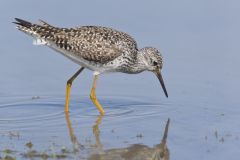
(199, 42)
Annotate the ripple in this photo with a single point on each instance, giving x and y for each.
(27, 112)
(125, 106)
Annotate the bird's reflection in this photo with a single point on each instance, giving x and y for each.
(137, 151)
(161, 150)
(133, 152)
(96, 132)
(77, 147)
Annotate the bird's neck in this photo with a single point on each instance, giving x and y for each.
(139, 64)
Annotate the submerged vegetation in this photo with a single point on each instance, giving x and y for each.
(30, 153)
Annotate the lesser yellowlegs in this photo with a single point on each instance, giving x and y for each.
(97, 48)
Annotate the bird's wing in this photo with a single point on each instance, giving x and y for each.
(97, 51)
(93, 43)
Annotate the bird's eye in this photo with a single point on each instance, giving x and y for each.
(155, 63)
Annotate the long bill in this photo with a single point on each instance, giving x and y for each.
(160, 78)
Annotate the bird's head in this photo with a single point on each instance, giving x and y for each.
(154, 63)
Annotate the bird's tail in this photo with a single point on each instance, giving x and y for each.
(41, 32)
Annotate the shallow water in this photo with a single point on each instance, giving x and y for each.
(200, 45)
(43, 123)
(130, 127)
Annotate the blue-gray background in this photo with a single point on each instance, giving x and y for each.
(199, 41)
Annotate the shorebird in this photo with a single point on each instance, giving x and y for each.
(100, 49)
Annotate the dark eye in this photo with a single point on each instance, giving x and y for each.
(155, 63)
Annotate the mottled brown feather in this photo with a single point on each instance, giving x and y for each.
(92, 43)
(98, 44)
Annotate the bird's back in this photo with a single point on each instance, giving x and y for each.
(90, 43)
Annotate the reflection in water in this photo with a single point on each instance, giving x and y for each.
(161, 150)
(137, 151)
(77, 147)
(134, 152)
(96, 132)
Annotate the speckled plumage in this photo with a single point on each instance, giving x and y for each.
(97, 48)
(97, 45)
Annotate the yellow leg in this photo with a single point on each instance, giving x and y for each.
(68, 88)
(93, 96)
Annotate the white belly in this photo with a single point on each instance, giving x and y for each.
(74, 58)
(82, 62)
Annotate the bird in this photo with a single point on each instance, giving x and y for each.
(97, 48)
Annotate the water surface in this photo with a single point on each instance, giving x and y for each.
(199, 41)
